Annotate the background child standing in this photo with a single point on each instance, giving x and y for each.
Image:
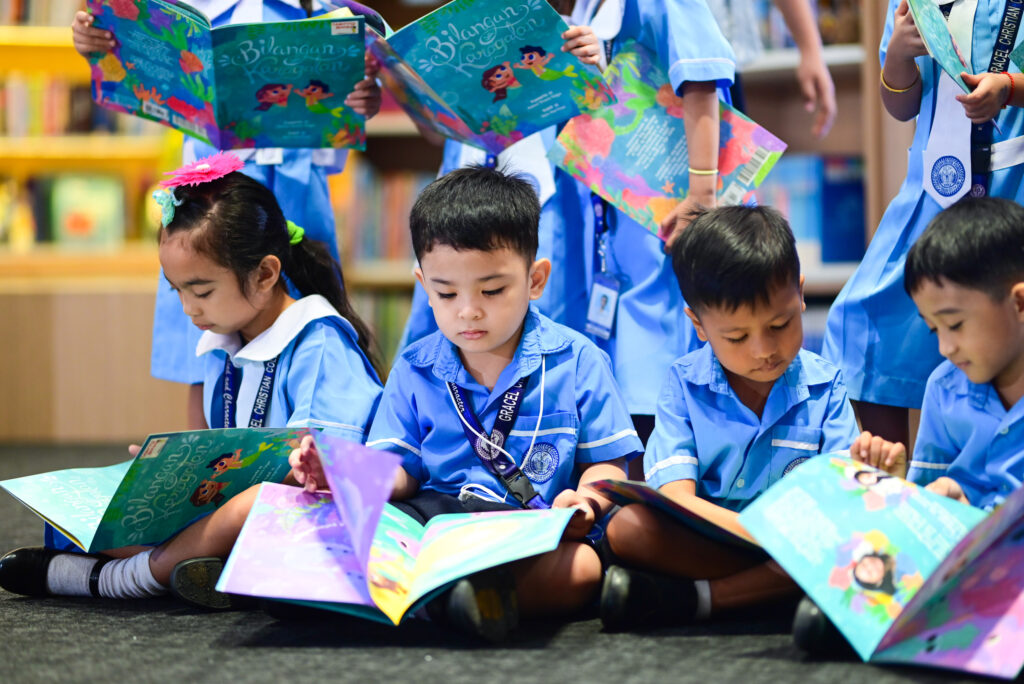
(297, 177)
(874, 333)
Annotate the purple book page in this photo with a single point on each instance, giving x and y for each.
(294, 545)
(361, 480)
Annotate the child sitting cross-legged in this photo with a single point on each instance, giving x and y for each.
(733, 417)
(497, 383)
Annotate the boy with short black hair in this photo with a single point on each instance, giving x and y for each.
(558, 419)
(733, 417)
(966, 276)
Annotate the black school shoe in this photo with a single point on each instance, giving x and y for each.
(815, 634)
(23, 571)
(633, 599)
(193, 582)
(483, 605)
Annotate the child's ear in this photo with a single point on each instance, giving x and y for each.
(701, 335)
(1017, 297)
(540, 271)
(800, 284)
(267, 274)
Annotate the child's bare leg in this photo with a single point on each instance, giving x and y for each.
(889, 422)
(558, 582)
(644, 538)
(214, 535)
(762, 583)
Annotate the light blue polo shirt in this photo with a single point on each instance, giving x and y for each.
(703, 432)
(583, 420)
(323, 380)
(966, 434)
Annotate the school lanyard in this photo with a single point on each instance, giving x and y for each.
(224, 401)
(600, 207)
(490, 451)
(982, 135)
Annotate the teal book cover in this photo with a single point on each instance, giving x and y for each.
(488, 72)
(906, 575)
(633, 153)
(350, 551)
(276, 84)
(176, 478)
(940, 42)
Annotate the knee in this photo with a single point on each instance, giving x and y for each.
(627, 531)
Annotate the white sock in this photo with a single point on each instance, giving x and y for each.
(68, 574)
(703, 599)
(129, 578)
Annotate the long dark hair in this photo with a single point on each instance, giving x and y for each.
(236, 221)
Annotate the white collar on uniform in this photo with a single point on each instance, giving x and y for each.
(244, 11)
(274, 339)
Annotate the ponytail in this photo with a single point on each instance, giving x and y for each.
(312, 270)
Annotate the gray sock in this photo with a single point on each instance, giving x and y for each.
(130, 577)
(68, 574)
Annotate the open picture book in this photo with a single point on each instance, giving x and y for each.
(351, 551)
(274, 84)
(485, 72)
(176, 478)
(633, 153)
(907, 576)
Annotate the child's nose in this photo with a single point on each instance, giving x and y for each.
(947, 347)
(470, 311)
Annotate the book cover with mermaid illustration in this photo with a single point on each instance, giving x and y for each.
(350, 551)
(276, 84)
(486, 72)
(633, 153)
(906, 575)
(176, 478)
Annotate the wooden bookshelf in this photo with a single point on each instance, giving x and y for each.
(41, 49)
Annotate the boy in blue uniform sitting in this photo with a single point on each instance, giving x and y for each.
(966, 276)
(558, 419)
(733, 417)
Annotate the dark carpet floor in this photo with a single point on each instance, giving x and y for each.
(159, 640)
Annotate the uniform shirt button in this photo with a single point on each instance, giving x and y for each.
(740, 482)
(1004, 431)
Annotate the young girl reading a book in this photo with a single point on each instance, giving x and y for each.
(297, 177)
(227, 251)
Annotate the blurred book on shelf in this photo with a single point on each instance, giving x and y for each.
(37, 12)
(807, 187)
(39, 104)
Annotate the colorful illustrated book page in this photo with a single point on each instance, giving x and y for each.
(176, 478)
(906, 575)
(488, 72)
(277, 84)
(699, 516)
(633, 153)
(352, 552)
(940, 42)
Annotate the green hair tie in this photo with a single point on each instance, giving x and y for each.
(295, 233)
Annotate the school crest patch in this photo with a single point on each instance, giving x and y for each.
(793, 464)
(542, 462)
(948, 175)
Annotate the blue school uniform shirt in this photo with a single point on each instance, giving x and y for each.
(651, 329)
(967, 434)
(297, 177)
(584, 420)
(873, 332)
(703, 432)
(323, 380)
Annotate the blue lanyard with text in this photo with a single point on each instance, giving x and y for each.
(496, 461)
(225, 400)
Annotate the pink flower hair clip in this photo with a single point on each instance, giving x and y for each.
(203, 170)
(200, 171)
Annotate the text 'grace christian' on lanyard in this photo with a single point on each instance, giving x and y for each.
(497, 462)
(224, 402)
